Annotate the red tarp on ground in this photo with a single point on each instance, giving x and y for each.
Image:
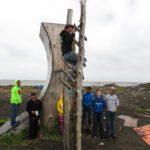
(144, 132)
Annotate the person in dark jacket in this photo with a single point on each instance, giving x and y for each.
(98, 105)
(67, 36)
(34, 108)
(86, 104)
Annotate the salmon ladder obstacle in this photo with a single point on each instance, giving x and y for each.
(57, 83)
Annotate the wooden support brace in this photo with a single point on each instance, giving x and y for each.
(67, 74)
(70, 66)
(65, 83)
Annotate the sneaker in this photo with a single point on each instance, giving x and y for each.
(14, 124)
(101, 143)
(93, 137)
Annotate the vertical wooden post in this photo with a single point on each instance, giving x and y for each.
(80, 74)
(69, 16)
(66, 103)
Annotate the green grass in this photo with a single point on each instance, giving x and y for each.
(11, 139)
(3, 120)
(144, 111)
(20, 139)
(54, 134)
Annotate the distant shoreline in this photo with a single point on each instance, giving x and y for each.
(85, 83)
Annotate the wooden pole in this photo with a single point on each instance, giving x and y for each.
(80, 74)
(66, 102)
(69, 16)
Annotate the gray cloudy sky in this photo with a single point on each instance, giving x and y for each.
(118, 31)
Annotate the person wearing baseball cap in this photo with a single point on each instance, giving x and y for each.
(112, 103)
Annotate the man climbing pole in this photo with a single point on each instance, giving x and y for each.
(67, 39)
(67, 36)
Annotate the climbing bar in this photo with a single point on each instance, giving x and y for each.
(68, 75)
(65, 83)
(70, 66)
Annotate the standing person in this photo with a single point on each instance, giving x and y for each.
(87, 103)
(15, 101)
(60, 111)
(112, 104)
(98, 105)
(34, 108)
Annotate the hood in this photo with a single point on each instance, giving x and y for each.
(15, 83)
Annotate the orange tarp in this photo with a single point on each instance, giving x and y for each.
(144, 132)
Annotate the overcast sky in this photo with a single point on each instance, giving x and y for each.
(118, 31)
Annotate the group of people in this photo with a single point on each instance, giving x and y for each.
(103, 107)
(34, 108)
(98, 105)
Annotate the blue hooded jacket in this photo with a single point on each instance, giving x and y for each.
(98, 104)
(87, 100)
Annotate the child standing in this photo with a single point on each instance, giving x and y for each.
(60, 111)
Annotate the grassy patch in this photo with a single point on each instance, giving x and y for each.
(143, 111)
(14, 139)
(54, 134)
(21, 139)
(3, 120)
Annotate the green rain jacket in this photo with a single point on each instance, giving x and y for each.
(16, 94)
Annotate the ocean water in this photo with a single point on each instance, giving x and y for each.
(85, 83)
(23, 82)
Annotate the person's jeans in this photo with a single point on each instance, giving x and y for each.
(14, 113)
(98, 121)
(86, 110)
(110, 123)
(71, 57)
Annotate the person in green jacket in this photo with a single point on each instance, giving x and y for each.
(15, 101)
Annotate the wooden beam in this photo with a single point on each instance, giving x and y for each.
(80, 74)
(69, 16)
(65, 83)
(66, 99)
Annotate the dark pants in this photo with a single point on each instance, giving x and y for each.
(86, 110)
(14, 113)
(33, 128)
(98, 122)
(110, 123)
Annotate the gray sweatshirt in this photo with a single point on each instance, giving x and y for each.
(112, 102)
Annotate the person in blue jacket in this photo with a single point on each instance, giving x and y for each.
(86, 104)
(98, 105)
